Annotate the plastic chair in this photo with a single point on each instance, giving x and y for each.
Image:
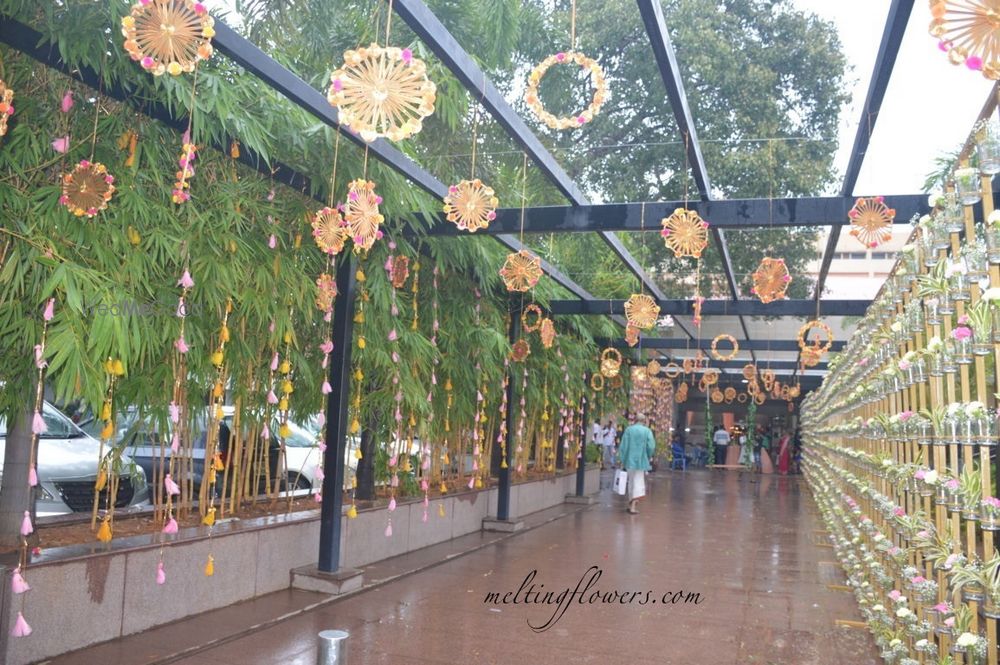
(677, 456)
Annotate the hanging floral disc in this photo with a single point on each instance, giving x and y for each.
(6, 106)
(771, 280)
(330, 230)
(711, 376)
(725, 338)
(362, 215)
(822, 327)
(641, 311)
(168, 36)
(685, 233)
(87, 189)
(767, 378)
(520, 351)
(741, 398)
(717, 396)
(682, 393)
(382, 92)
(631, 334)
(521, 271)
(729, 393)
(871, 220)
(760, 398)
(597, 382)
(616, 382)
(673, 370)
(749, 371)
(326, 292)
(968, 31)
(531, 318)
(399, 271)
(794, 391)
(611, 362)
(578, 119)
(653, 368)
(811, 356)
(470, 205)
(547, 333)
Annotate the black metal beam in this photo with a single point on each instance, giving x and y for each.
(728, 214)
(719, 307)
(679, 344)
(892, 37)
(432, 32)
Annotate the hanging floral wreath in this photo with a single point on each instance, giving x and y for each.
(547, 333)
(399, 271)
(382, 92)
(168, 36)
(597, 382)
(717, 396)
(521, 271)
(672, 370)
(653, 368)
(520, 351)
(631, 334)
(326, 292)
(611, 362)
(741, 398)
(685, 233)
(726, 338)
(682, 393)
(817, 345)
(470, 205)
(531, 318)
(749, 371)
(641, 311)
(771, 280)
(87, 189)
(616, 382)
(711, 376)
(362, 214)
(581, 118)
(329, 230)
(871, 221)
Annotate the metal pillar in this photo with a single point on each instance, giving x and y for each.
(503, 470)
(337, 422)
(581, 467)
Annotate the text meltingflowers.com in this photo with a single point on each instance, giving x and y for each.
(585, 593)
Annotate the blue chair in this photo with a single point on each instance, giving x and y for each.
(677, 457)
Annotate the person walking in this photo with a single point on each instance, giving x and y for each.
(784, 454)
(608, 444)
(721, 440)
(634, 453)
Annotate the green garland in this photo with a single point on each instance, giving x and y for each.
(709, 439)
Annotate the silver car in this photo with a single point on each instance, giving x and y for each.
(67, 469)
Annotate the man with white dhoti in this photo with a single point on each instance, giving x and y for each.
(634, 453)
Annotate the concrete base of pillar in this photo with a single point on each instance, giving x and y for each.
(580, 500)
(505, 526)
(310, 578)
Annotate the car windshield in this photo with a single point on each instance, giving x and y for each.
(57, 425)
(301, 436)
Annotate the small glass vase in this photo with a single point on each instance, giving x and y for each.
(988, 149)
(968, 186)
(932, 311)
(925, 436)
(949, 361)
(976, 263)
(959, 284)
(935, 364)
(963, 351)
(982, 341)
(946, 306)
(993, 242)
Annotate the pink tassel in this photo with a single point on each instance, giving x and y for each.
(434, 379)
(38, 424)
(21, 627)
(318, 475)
(326, 390)
(426, 464)
(32, 477)
(185, 282)
(392, 335)
(393, 460)
(61, 145)
(424, 485)
(388, 264)
(265, 433)
(475, 465)
(17, 583)
(392, 504)
(26, 527)
(322, 447)
(175, 413)
(67, 102)
(388, 530)
(319, 497)
(320, 419)
(181, 345)
(326, 347)
(170, 486)
(170, 526)
(271, 397)
(274, 358)
(472, 483)
(175, 443)
(394, 481)
(161, 576)
(40, 362)
(272, 242)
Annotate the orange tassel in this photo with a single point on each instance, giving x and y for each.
(210, 566)
(104, 532)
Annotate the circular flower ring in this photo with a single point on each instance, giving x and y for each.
(579, 119)
(470, 205)
(794, 391)
(760, 398)
(871, 220)
(87, 189)
(616, 382)
(641, 311)
(749, 371)
(771, 280)
(361, 213)
(631, 334)
(753, 387)
(810, 356)
(399, 271)
(717, 396)
(685, 233)
(521, 271)
(547, 333)
(326, 292)
(653, 368)
(816, 345)
(767, 378)
(531, 325)
(611, 355)
(520, 351)
(168, 36)
(742, 398)
(967, 30)
(682, 393)
(730, 393)
(711, 376)
(6, 106)
(672, 370)
(329, 230)
(727, 338)
(689, 365)
(382, 92)
(597, 382)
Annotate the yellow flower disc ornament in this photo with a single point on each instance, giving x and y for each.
(168, 36)
(382, 92)
(547, 333)
(521, 271)
(871, 221)
(771, 280)
(87, 189)
(579, 119)
(362, 214)
(641, 311)
(685, 233)
(330, 230)
(470, 205)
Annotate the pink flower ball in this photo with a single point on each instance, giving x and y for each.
(147, 62)
(974, 62)
(560, 56)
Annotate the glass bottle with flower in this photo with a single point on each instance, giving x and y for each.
(910, 256)
(968, 186)
(961, 336)
(936, 418)
(933, 352)
(949, 356)
(992, 233)
(988, 146)
(989, 514)
(973, 646)
(969, 578)
(971, 490)
(958, 280)
(980, 318)
(976, 263)
(935, 289)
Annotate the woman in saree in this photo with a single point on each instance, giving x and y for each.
(784, 454)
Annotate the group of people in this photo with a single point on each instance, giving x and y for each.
(786, 446)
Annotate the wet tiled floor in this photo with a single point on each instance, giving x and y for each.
(748, 545)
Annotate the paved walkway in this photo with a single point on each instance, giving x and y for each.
(746, 544)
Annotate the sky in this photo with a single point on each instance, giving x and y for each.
(930, 105)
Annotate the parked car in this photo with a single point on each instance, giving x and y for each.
(302, 454)
(67, 469)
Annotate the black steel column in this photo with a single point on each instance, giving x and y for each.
(581, 468)
(560, 453)
(503, 470)
(336, 418)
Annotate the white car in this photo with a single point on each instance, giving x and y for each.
(302, 455)
(67, 469)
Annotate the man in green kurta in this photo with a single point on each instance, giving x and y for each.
(634, 452)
